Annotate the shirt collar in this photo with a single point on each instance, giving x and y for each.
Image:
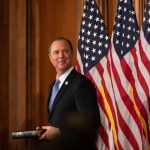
(64, 76)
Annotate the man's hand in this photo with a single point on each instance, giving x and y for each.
(51, 133)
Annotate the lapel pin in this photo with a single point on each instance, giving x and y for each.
(66, 83)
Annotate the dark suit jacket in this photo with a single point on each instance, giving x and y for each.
(77, 94)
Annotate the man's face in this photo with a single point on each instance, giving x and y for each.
(61, 56)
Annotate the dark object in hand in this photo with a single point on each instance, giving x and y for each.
(35, 134)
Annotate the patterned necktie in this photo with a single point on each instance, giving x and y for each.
(54, 93)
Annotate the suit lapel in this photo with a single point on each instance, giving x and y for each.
(63, 88)
(50, 92)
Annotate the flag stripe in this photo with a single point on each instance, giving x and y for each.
(144, 57)
(141, 118)
(131, 79)
(110, 116)
(122, 96)
(144, 51)
(104, 123)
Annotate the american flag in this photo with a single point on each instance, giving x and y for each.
(93, 62)
(129, 83)
(144, 43)
(144, 48)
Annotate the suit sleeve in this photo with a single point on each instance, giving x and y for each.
(86, 101)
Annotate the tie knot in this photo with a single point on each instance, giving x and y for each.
(57, 82)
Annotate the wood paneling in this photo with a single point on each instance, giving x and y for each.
(33, 61)
(17, 70)
(4, 69)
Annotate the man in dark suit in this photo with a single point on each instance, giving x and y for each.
(76, 92)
